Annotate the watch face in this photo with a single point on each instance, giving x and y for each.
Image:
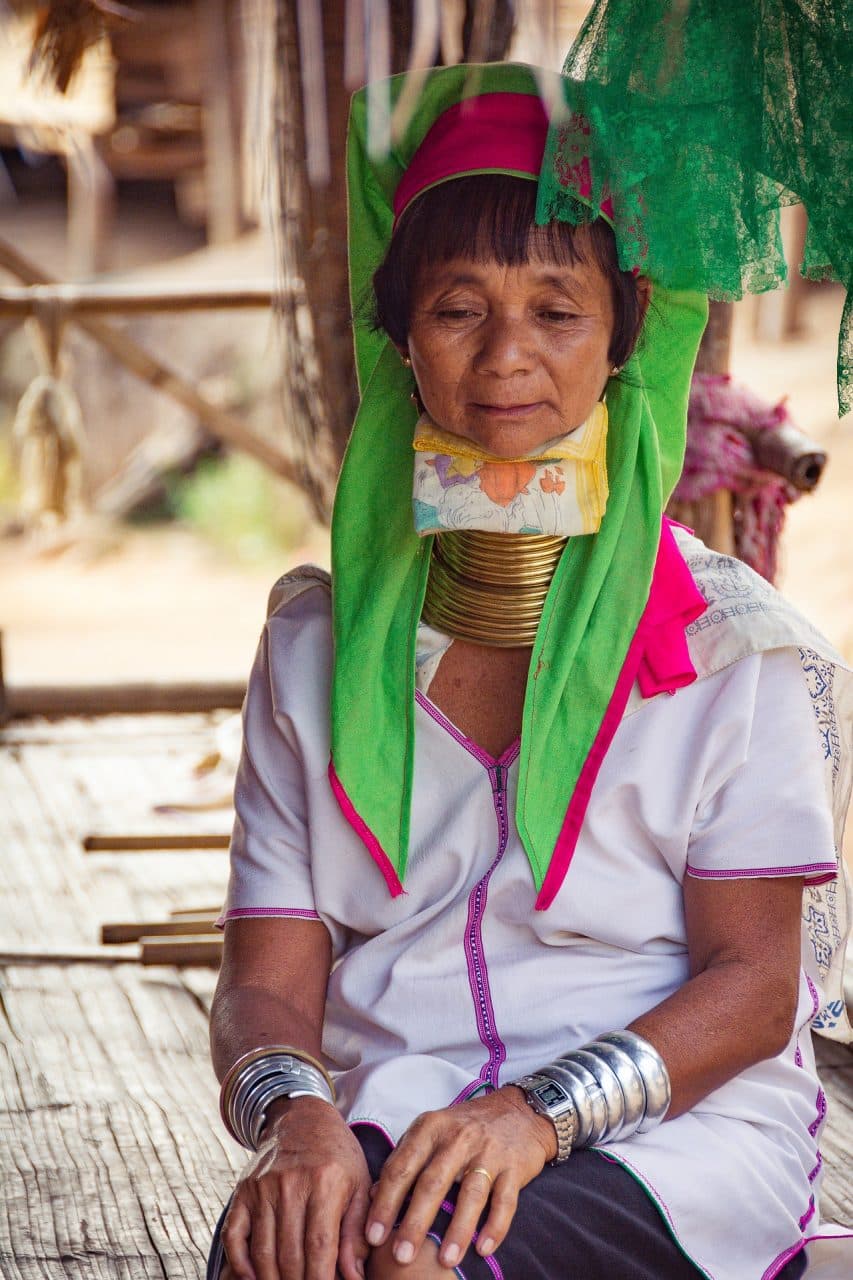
(551, 1094)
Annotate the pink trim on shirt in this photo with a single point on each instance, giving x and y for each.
(362, 830)
(240, 913)
(660, 662)
(479, 753)
(297, 913)
(778, 1263)
(829, 870)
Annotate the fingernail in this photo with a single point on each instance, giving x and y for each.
(375, 1233)
(450, 1255)
(486, 1246)
(404, 1251)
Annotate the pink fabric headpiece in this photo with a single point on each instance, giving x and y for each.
(502, 132)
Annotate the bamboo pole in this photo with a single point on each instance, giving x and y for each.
(114, 931)
(185, 913)
(192, 950)
(219, 422)
(102, 299)
(121, 699)
(121, 842)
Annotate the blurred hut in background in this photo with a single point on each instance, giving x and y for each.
(241, 107)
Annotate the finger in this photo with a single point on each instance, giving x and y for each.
(503, 1203)
(263, 1247)
(323, 1231)
(290, 1232)
(235, 1240)
(429, 1191)
(353, 1248)
(399, 1173)
(471, 1199)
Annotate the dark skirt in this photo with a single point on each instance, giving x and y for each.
(587, 1218)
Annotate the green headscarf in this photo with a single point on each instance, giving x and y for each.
(380, 566)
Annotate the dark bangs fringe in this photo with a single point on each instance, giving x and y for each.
(491, 218)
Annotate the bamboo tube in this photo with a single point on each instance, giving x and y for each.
(192, 950)
(196, 913)
(114, 932)
(101, 299)
(173, 843)
(128, 699)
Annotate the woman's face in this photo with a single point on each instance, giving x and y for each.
(511, 357)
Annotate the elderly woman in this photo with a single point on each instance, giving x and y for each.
(516, 981)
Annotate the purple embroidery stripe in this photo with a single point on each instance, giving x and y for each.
(820, 1104)
(490, 1261)
(816, 1170)
(814, 995)
(478, 753)
(475, 959)
(297, 913)
(778, 1263)
(700, 874)
(809, 1213)
(436, 1238)
(464, 1094)
(478, 977)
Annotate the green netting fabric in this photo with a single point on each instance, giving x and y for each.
(699, 120)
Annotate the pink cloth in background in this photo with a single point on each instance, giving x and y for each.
(719, 456)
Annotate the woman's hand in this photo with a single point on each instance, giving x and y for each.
(498, 1133)
(299, 1209)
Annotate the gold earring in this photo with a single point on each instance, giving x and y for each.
(407, 361)
(617, 368)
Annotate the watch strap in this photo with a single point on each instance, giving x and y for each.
(564, 1119)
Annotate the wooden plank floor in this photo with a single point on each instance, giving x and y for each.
(113, 1162)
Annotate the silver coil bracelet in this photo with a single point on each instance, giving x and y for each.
(260, 1077)
(617, 1085)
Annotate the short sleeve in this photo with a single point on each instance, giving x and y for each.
(770, 815)
(270, 852)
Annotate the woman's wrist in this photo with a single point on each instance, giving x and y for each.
(283, 1109)
(610, 1088)
(542, 1128)
(262, 1077)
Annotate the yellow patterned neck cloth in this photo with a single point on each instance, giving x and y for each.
(559, 489)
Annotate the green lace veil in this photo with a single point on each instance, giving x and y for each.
(700, 120)
(380, 565)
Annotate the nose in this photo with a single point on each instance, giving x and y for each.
(505, 350)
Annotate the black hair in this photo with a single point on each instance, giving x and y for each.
(490, 217)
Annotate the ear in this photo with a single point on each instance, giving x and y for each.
(644, 294)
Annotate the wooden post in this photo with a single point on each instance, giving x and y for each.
(220, 138)
(711, 517)
(91, 196)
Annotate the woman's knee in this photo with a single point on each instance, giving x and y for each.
(382, 1266)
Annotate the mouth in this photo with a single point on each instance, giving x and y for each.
(508, 410)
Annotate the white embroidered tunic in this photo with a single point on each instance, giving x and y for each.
(459, 984)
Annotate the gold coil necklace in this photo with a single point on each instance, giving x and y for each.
(490, 588)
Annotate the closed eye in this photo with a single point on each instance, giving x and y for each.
(456, 313)
(558, 317)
